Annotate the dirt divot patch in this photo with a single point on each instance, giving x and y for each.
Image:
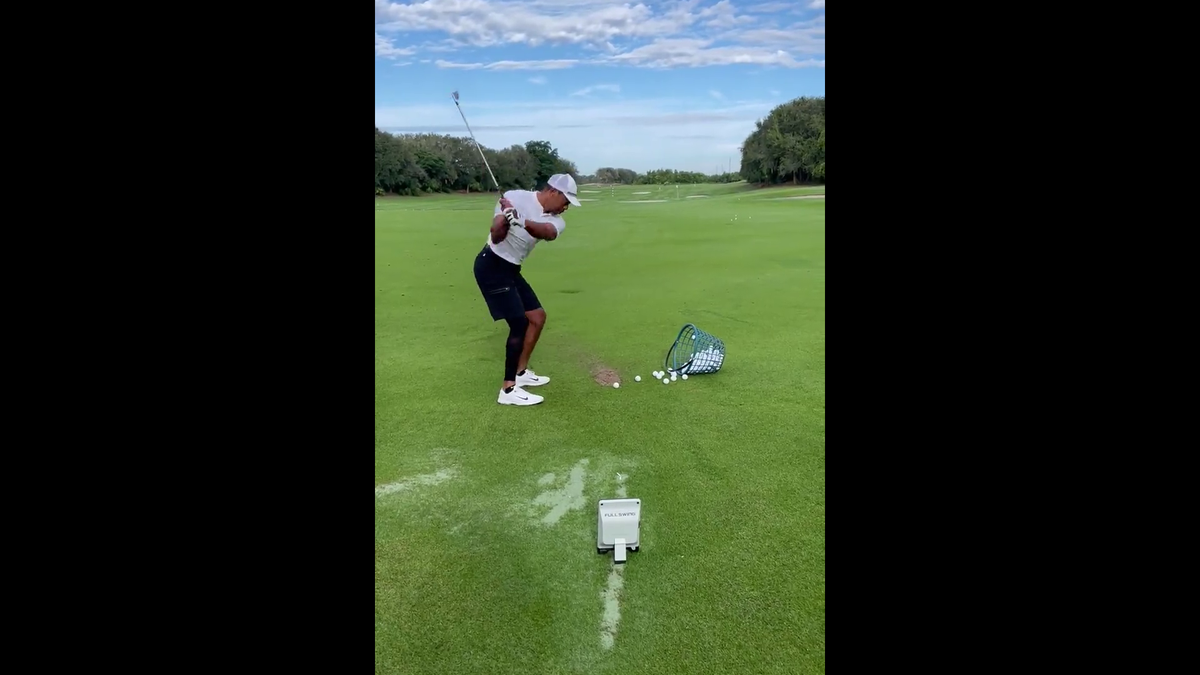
(586, 359)
(604, 376)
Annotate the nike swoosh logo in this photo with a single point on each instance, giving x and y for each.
(523, 398)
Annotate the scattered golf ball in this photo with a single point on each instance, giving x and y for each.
(666, 381)
(674, 376)
(685, 376)
(616, 385)
(637, 378)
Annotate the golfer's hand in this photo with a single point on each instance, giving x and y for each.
(511, 215)
(505, 204)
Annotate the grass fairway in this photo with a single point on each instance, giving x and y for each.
(485, 515)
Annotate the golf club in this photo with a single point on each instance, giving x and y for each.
(485, 162)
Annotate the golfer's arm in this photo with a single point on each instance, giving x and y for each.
(499, 228)
(541, 230)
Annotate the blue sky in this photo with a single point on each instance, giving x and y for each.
(642, 85)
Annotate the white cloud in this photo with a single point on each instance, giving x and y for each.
(817, 4)
(552, 64)
(451, 64)
(770, 7)
(386, 49)
(723, 15)
(538, 80)
(716, 94)
(799, 39)
(673, 53)
(615, 88)
(671, 34)
(485, 23)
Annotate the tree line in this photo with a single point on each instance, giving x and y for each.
(656, 177)
(786, 146)
(412, 164)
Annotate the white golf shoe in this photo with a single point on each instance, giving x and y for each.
(518, 396)
(531, 379)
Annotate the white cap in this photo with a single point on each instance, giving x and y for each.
(564, 184)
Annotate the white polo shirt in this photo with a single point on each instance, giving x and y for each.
(517, 246)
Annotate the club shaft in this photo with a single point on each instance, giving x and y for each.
(481, 155)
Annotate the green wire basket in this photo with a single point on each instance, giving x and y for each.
(695, 352)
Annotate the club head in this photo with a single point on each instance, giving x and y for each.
(455, 95)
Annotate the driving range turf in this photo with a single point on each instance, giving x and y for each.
(485, 515)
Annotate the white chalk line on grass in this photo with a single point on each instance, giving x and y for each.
(440, 476)
(612, 606)
(563, 499)
(611, 595)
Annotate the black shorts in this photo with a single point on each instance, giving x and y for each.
(505, 291)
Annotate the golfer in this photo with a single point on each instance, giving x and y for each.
(522, 217)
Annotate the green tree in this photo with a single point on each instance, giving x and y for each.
(546, 157)
(789, 144)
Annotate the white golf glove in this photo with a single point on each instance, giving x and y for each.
(513, 218)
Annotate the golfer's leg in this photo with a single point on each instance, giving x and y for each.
(517, 325)
(499, 289)
(536, 317)
(537, 321)
(505, 303)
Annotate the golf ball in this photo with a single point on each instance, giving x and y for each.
(616, 385)
(685, 376)
(674, 376)
(637, 378)
(666, 381)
